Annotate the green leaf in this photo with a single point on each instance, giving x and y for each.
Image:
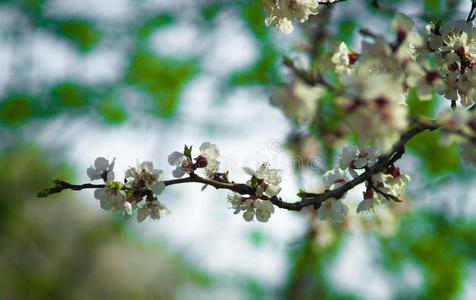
(187, 151)
(263, 71)
(70, 95)
(257, 237)
(433, 6)
(254, 182)
(155, 22)
(112, 110)
(81, 33)
(346, 29)
(16, 110)
(418, 108)
(161, 79)
(436, 159)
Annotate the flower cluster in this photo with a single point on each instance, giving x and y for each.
(333, 208)
(281, 13)
(102, 169)
(141, 181)
(376, 81)
(251, 207)
(207, 160)
(376, 108)
(264, 184)
(381, 187)
(264, 180)
(440, 58)
(344, 59)
(453, 47)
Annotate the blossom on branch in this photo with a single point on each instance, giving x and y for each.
(145, 176)
(102, 169)
(261, 209)
(265, 180)
(281, 13)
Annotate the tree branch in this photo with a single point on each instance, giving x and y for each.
(471, 15)
(309, 199)
(329, 4)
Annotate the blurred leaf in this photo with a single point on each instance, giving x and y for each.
(253, 15)
(257, 237)
(155, 22)
(264, 71)
(162, 79)
(435, 158)
(346, 30)
(417, 107)
(437, 244)
(210, 11)
(70, 95)
(433, 7)
(81, 32)
(112, 110)
(16, 110)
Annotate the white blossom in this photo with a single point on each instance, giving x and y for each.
(334, 209)
(180, 162)
(281, 13)
(333, 179)
(268, 179)
(261, 209)
(344, 59)
(153, 209)
(144, 175)
(102, 169)
(113, 197)
(353, 158)
(371, 201)
(210, 152)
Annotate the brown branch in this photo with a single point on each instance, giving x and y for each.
(329, 4)
(309, 199)
(471, 15)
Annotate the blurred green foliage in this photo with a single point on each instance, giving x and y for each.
(161, 78)
(81, 32)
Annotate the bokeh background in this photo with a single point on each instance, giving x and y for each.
(137, 79)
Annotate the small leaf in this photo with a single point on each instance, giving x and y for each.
(254, 182)
(187, 151)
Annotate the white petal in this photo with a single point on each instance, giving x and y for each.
(272, 190)
(93, 173)
(249, 215)
(101, 164)
(175, 158)
(157, 187)
(110, 176)
(127, 208)
(142, 213)
(147, 165)
(106, 203)
(178, 172)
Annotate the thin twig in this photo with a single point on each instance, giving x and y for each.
(471, 15)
